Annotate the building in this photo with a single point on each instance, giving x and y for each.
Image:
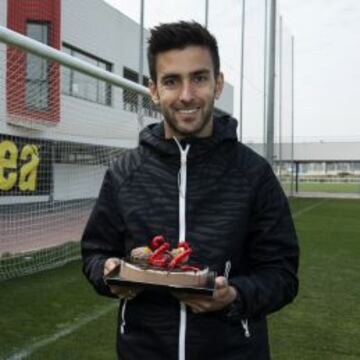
(59, 128)
(317, 158)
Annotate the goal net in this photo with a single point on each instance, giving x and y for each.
(59, 130)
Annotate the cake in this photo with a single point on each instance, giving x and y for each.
(176, 277)
(157, 264)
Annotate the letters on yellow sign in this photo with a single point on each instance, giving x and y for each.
(26, 176)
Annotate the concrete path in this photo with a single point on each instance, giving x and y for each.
(327, 195)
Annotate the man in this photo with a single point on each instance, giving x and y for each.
(190, 179)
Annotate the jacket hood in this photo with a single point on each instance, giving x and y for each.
(224, 130)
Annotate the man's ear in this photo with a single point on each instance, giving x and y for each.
(219, 85)
(153, 92)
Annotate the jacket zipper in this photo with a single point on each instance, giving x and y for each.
(245, 325)
(182, 190)
(182, 181)
(122, 323)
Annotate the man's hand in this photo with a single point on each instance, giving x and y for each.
(224, 295)
(121, 291)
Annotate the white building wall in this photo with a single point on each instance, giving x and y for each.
(104, 31)
(226, 100)
(3, 12)
(109, 35)
(112, 36)
(84, 181)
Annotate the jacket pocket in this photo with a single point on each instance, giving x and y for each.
(242, 326)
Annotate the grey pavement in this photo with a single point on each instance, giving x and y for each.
(325, 195)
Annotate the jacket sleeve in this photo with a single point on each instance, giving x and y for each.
(272, 252)
(103, 236)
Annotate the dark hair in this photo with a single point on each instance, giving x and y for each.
(179, 35)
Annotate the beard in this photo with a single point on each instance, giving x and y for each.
(176, 127)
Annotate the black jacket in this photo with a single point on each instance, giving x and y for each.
(235, 210)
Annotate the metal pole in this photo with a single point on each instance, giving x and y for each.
(292, 117)
(280, 93)
(45, 51)
(265, 63)
(271, 85)
(242, 72)
(206, 13)
(141, 65)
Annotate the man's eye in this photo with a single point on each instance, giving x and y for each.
(200, 79)
(169, 82)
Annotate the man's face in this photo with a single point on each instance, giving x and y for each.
(186, 89)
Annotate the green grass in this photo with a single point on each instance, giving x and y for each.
(326, 187)
(39, 306)
(322, 323)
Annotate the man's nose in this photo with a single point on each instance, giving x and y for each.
(187, 92)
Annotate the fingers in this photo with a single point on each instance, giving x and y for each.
(125, 292)
(197, 310)
(200, 304)
(129, 294)
(223, 295)
(121, 291)
(221, 282)
(111, 264)
(116, 290)
(221, 288)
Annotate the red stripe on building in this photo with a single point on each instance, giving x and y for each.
(20, 12)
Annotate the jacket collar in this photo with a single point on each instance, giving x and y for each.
(224, 130)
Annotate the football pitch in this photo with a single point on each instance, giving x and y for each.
(56, 314)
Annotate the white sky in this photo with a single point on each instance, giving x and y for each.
(327, 59)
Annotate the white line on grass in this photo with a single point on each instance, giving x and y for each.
(308, 208)
(70, 329)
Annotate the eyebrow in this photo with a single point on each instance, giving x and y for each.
(201, 72)
(194, 73)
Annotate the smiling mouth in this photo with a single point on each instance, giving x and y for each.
(188, 111)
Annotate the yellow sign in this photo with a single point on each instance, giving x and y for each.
(18, 166)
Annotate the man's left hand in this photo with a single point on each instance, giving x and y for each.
(223, 295)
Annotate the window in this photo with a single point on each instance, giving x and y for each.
(130, 97)
(37, 70)
(84, 86)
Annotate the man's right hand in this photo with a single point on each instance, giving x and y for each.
(121, 291)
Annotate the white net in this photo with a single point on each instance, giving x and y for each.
(59, 130)
(50, 178)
